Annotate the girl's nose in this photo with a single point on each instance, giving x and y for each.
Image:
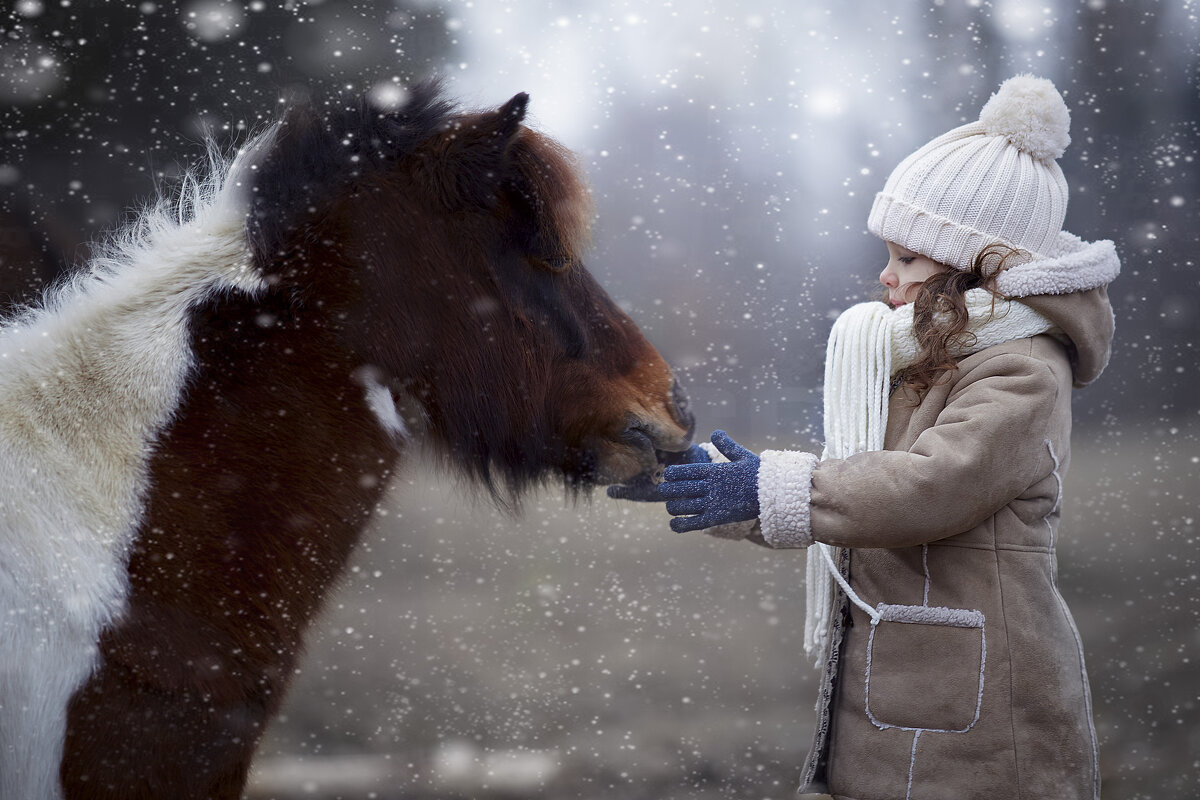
(888, 278)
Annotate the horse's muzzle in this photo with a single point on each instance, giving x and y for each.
(682, 413)
(656, 440)
(666, 456)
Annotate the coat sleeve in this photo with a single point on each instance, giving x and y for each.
(986, 447)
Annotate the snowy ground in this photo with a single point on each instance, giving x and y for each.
(588, 652)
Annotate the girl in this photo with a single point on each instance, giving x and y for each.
(951, 666)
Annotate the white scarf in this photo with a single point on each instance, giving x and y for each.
(868, 345)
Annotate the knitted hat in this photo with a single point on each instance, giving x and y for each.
(994, 181)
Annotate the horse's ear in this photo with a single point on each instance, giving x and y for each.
(496, 130)
(477, 148)
(285, 179)
(511, 115)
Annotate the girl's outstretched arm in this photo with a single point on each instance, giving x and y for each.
(987, 448)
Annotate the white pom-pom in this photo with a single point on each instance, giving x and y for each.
(1031, 114)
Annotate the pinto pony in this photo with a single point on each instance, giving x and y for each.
(194, 432)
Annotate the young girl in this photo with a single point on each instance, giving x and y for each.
(951, 666)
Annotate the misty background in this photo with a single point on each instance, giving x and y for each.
(733, 149)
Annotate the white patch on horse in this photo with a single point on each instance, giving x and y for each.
(87, 384)
(382, 404)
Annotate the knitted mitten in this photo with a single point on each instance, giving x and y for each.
(703, 495)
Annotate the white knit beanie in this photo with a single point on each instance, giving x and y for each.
(994, 181)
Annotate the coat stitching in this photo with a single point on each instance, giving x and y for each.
(1018, 548)
(912, 765)
(925, 566)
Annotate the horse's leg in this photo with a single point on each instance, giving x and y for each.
(128, 740)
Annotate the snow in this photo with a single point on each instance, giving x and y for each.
(214, 20)
(734, 148)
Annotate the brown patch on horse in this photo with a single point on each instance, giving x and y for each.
(260, 489)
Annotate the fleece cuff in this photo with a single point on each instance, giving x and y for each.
(733, 530)
(784, 491)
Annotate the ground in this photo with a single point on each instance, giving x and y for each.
(585, 651)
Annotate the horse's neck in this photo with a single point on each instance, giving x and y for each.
(273, 464)
(87, 385)
(264, 477)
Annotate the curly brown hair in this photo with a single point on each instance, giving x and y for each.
(940, 315)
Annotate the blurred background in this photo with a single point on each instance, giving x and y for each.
(582, 650)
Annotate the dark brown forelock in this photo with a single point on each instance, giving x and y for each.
(564, 207)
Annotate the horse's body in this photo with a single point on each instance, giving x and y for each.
(193, 434)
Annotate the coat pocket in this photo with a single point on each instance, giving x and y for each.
(925, 668)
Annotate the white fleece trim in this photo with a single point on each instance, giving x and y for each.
(784, 492)
(930, 615)
(990, 321)
(1073, 265)
(714, 455)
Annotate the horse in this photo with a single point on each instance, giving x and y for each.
(195, 429)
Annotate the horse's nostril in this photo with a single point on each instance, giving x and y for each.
(679, 409)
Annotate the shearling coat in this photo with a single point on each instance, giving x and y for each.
(960, 511)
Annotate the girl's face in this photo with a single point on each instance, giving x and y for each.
(905, 272)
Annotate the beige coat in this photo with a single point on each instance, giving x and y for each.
(960, 511)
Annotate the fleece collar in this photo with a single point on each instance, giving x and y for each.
(1070, 288)
(1072, 265)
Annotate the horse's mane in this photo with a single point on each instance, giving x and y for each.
(206, 202)
(219, 195)
(315, 154)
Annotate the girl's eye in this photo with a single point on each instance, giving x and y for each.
(907, 259)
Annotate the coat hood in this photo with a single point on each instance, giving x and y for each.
(1069, 286)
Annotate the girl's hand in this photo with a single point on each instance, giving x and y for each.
(645, 489)
(703, 495)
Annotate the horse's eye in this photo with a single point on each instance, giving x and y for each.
(551, 263)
